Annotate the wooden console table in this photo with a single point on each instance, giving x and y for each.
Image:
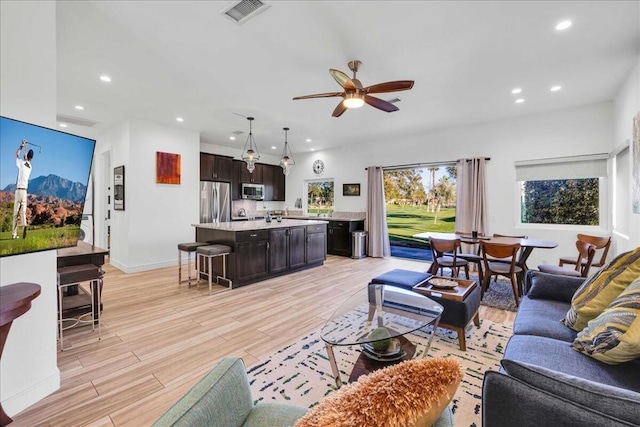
(15, 300)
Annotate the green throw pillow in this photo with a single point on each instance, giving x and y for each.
(614, 336)
(597, 292)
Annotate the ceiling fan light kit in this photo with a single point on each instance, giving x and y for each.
(250, 153)
(287, 156)
(355, 95)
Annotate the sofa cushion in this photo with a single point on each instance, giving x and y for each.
(614, 336)
(507, 401)
(617, 402)
(539, 285)
(597, 292)
(555, 354)
(542, 318)
(411, 393)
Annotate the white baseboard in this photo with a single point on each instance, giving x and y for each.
(145, 267)
(23, 399)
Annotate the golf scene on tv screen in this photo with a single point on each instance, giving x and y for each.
(44, 175)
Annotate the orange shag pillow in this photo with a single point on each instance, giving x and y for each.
(412, 393)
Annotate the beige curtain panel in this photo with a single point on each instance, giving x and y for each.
(378, 245)
(471, 202)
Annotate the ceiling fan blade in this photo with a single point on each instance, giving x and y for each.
(380, 104)
(394, 86)
(342, 79)
(320, 95)
(340, 109)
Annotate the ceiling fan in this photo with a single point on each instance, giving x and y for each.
(355, 95)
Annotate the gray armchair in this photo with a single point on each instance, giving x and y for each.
(223, 399)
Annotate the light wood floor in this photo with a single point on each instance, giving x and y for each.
(158, 338)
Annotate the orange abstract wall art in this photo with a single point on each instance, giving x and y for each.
(167, 168)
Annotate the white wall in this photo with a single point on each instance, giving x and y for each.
(626, 105)
(157, 216)
(28, 368)
(581, 130)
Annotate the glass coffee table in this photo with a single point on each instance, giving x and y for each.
(377, 318)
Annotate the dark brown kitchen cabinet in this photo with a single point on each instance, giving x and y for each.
(316, 243)
(244, 175)
(236, 186)
(252, 254)
(287, 249)
(274, 183)
(339, 236)
(215, 168)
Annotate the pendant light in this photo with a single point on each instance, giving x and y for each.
(250, 153)
(287, 157)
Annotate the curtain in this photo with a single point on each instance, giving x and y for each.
(471, 202)
(378, 244)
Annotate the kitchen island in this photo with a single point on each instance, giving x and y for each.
(261, 250)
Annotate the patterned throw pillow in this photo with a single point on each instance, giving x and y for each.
(614, 336)
(411, 393)
(597, 292)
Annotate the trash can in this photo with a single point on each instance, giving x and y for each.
(358, 244)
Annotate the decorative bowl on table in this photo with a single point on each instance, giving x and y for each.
(442, 283)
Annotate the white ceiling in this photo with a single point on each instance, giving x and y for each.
(183, 58)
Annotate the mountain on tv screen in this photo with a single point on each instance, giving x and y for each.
(44, 175)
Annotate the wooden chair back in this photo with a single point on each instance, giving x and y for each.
(586, 252)
(499, 251)
(599, 242)
(441, 246)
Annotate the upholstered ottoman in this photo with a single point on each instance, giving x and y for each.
(456, 315)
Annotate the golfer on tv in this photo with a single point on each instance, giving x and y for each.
(20, 203)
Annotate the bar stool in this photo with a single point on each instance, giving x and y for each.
(209, 252)
(74, 275)
(189, 248)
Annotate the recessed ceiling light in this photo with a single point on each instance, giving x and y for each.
(179, 119)
(79, 107)
(105, 78)
(519, 100)
(313, 149)
(273, 147)
(233, 138)
(63, 125)
(563, 25)
(555, 88)
(516, 90)
(308, 139)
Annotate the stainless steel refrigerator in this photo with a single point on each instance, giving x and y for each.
(215, 202)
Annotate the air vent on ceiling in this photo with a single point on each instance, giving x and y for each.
(63, 118)
(394, 100)
(243, 10)
(237, 132)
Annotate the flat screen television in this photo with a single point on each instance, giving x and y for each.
(47, 190)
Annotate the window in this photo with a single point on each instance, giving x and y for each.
(567, 191)
(319, 197)
(419, 199)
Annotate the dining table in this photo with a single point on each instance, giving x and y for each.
(527, 244)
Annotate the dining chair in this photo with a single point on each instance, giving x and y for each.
(600, 242)
(520, 278)
(445, 254)
(474, 256)
(500, 259)
(586, 253)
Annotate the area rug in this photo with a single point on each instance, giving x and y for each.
(300, 373)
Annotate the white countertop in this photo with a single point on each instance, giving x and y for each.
(324, 218)
(259, 224)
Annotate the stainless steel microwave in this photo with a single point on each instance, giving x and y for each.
(252, 191)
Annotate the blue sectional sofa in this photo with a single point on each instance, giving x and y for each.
(543, 381)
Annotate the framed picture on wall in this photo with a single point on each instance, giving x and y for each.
(118, 188)
(350, 189)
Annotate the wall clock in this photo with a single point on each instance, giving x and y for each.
(318, 167)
